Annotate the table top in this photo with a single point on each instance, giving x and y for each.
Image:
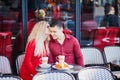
(74, 70)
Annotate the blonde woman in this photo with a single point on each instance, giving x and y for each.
(37, 46)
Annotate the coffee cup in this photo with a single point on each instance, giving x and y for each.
(61, 58)
(44, 60)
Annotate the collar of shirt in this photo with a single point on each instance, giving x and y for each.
(67, 36)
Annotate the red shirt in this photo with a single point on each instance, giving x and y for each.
(70, 48)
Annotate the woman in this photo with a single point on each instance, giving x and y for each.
(37, 47)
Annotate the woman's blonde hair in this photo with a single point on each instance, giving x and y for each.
(38, 33)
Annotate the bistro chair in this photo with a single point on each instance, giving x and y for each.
(54, 75)
(19, 62)
(92, 56)
(112, 54)
(9, 77)
(5, 67)
(95, 73)
(113, 33)
(104, 37)
(112, 57)
(97, 36)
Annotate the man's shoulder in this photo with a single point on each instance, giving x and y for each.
(72, 37)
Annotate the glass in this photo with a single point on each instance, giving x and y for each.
(44, 60)
(61, 58)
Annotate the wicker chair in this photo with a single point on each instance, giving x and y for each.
(9, 77)
(19, 61)
(5, 66)
(54, 75)
(92, 56)
(95, 73)
(112, 53)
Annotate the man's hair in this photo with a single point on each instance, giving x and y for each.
(107, 8)
(57, 23)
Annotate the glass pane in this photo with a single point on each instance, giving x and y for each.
(63, 10)
(92, 14)
(10, 21)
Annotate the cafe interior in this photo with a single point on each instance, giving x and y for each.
(100, 45)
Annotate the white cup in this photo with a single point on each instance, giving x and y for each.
(44, 60)
(61, 58)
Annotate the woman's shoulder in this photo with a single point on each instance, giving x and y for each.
(31, 42)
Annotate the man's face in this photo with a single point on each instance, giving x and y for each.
(55, 32)
(112, 11)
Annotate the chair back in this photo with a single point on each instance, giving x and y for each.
(104, 37)
(9, 77)
(19, 62)
(92, 56)
(95, 73)
(5, 66)
(112, 34)
(112, 53)
(54, 75)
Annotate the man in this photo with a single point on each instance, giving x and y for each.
(64, 44)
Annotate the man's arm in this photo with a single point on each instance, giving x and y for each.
(78, 53)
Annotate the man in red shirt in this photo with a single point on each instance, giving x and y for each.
(64, 44)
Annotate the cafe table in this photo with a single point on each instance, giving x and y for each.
(73, 70)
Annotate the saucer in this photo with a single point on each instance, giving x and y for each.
(42, 70)
(45, 66)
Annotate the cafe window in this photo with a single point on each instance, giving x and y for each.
(92, 13)
(55, 9)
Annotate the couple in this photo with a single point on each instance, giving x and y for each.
(49, 40)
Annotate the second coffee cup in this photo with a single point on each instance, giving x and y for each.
(61, 58)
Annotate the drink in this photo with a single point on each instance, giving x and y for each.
(44, 60)
(61, 58)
